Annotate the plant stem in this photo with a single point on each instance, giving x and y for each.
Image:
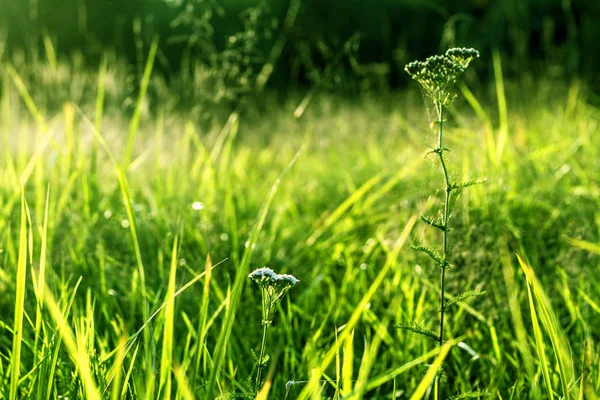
(445, 230)
(260, 358)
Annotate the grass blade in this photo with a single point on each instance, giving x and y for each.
(354, 318)
(15, 359)
(502, 109)
(77, 352)
(432, 371)
(549, 322)
(135, 119)
(203, 320)
(342, 208)
(169, 324)
(41, 278)
(539, 341)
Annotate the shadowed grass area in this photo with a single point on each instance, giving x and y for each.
(103, 239)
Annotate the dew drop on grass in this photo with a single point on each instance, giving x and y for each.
(248, 243)
(182, 262)
(363, 266)
(224, 237)
(107, 214)
(198, 205)
(368, 246)
(125, 223)
(111, 292)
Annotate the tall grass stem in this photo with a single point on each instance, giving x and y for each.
(260, 357)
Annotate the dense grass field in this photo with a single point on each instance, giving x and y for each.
(129, 225)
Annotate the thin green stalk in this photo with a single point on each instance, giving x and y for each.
(260, 358)
(445, 230)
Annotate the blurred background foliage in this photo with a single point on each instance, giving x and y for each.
(331, 43)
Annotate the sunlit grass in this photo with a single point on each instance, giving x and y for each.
(129, 279)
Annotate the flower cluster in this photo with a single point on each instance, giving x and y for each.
(462, 56)
(438, 74)
(273, 287)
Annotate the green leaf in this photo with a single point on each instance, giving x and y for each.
(462, 185)
(416, 328)
(461, 297)
(435, 256)
(469, 395)
(437, 150)
(431, 222)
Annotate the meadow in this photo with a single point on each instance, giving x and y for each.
(129, 225)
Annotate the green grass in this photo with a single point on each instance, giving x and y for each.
(128, 279)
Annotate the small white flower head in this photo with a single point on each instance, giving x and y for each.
(286, 280)
(438, 74)
(273, 287)
(263, 276)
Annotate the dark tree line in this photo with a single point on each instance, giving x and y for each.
(361, 39)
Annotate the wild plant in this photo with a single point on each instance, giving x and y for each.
(229, 68)
(272, 287)
(437, 76)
